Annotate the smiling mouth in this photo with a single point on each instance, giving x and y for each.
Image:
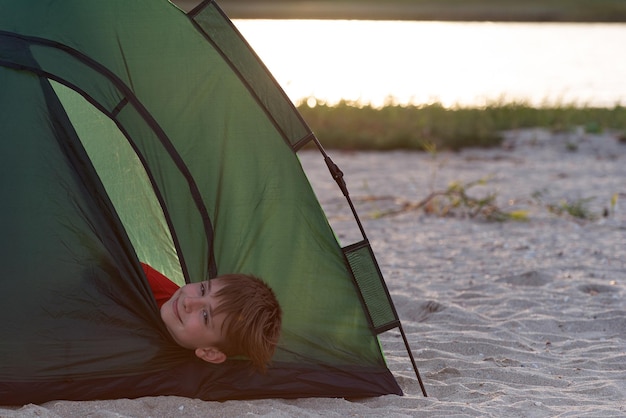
(175, 309)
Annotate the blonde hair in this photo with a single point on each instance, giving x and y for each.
(253, 318)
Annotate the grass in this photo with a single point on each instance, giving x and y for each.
(458, 10)
(349, 126)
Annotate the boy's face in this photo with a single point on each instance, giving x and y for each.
(188, 316)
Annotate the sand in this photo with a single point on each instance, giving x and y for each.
(506, 319)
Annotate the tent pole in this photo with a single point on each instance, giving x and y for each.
(408, 349)
(337, 174)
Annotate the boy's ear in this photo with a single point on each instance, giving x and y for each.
(211, 355)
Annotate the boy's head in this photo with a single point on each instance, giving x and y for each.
(230, 315)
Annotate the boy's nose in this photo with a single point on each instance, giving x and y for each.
(191, 303)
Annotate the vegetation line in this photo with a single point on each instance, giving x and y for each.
(351, 127)
(450, 10)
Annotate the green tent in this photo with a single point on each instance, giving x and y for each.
(132, 131)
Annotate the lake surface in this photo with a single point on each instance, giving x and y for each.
(451, 63)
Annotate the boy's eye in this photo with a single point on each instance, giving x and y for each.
(205, 315)
(203, 288)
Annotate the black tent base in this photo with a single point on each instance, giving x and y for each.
(230, 381)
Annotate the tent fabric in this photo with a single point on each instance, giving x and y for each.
(131, 131)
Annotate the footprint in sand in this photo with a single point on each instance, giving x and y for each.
(530, 278)
(445, 373)
(595, 289)
(426, 309)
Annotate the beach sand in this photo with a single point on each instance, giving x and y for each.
(505, 319)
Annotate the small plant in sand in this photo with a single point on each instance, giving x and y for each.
(613, 204)
(454, 201)
(577, 208)
(571, 146)
(457, 201)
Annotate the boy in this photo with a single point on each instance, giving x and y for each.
(230, 315)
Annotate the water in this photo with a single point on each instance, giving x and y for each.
(469, 63)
